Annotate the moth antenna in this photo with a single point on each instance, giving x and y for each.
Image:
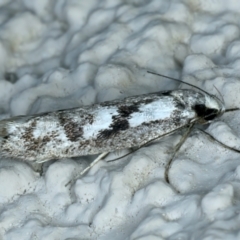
(232, 109)
(178, 80)
(222, 99)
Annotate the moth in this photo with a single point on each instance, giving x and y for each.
(108, 126)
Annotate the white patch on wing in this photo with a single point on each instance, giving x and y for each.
(102, 120)
(157, 110)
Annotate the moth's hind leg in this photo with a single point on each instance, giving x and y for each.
(177, 147)
(220, 143)
(94, 162)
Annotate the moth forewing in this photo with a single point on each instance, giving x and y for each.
(106, 127)
(103, 127)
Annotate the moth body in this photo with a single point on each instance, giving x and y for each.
(104, 127)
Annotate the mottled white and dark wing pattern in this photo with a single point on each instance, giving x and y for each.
(99, 128)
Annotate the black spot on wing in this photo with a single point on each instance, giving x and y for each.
(72, 130)
(147, 101)
(179, 105)
(125, 111)
(205, 113)
(165, 93)
(119, 121)
(32, 143)
(117, 126)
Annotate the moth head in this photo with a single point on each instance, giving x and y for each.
(210, 109)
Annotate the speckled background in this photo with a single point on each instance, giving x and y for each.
(61, 54)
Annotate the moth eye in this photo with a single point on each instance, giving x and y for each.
(207, 114)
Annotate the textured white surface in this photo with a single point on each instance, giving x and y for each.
(71, 53)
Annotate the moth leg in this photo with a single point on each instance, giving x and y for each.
(220, 143)
(99, 158)
(94, 162)
(178, 146)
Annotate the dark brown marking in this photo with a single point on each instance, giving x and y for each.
(146, 101)
(4, 132)
(125, 111)
(179, 105)
(205, 113)
(32, 143)
(89, 118)
(73, 131)
(117, 126)
(176, 120)
(62, 119)
(151, 123)
(166, 93)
